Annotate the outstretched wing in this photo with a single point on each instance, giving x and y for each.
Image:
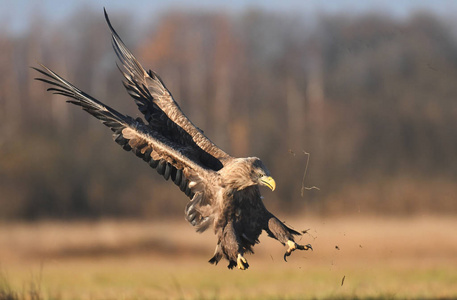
(170, 159)
(159, 108)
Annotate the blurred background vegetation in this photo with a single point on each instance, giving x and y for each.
(371, 97)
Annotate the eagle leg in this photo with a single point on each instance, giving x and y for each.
(241, 262)
(217, 256)
(294, 246)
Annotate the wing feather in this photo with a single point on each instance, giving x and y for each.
(165, 156)
(161, 111)
(169, 143)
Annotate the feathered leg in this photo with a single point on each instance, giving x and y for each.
(285, 235)
(231, 248)
(217, 255)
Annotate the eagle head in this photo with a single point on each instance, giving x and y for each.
(245, 172)
(261, 175)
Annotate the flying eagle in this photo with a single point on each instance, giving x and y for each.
(223, 190)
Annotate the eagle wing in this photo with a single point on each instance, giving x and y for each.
(173, 160)
(159, 108)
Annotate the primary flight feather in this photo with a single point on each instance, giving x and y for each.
(223, 190)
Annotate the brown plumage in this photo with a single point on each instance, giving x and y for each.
(223, 190)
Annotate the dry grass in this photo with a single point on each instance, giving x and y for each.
(378, 258)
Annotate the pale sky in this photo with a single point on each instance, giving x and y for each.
(15, 15)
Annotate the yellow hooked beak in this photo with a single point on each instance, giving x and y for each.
(268, 181)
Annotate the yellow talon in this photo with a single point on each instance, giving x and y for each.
(242, 263)
(294, 246)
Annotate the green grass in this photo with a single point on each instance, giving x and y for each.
(388, 259)
(170, 278)
(30, 292)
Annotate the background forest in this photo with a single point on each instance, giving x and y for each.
(371, 98)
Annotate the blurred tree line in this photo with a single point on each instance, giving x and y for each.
(371, 98)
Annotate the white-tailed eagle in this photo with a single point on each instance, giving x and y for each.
(223, 190)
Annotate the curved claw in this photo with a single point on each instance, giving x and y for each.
(294, 246)
(242, 263)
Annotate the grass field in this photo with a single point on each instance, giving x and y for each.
(397, 258)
